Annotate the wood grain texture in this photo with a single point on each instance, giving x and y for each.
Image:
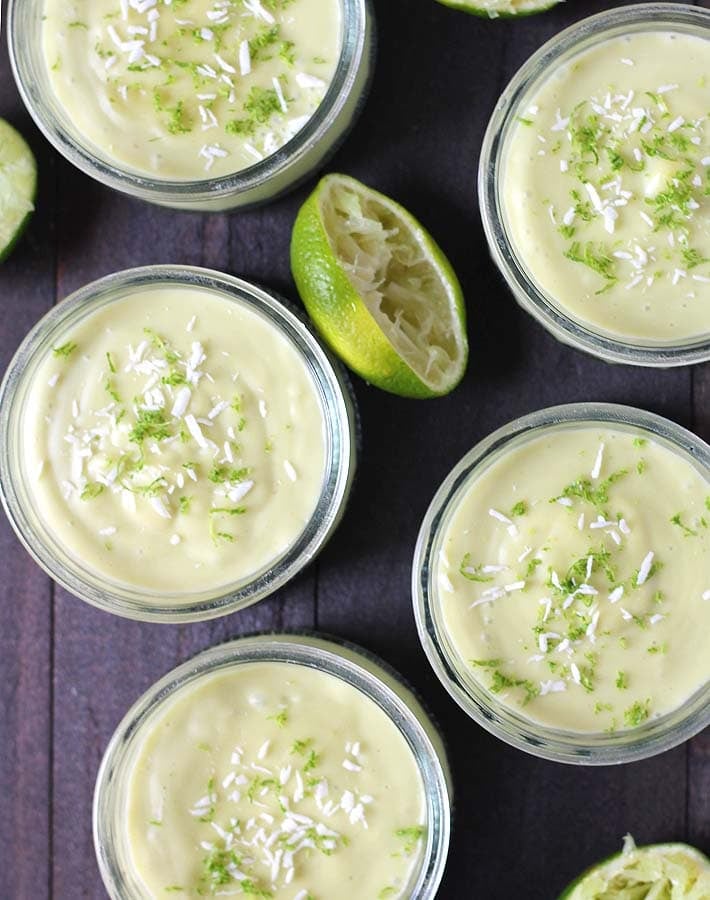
(699, 747)
(68, 673)
(25, 591)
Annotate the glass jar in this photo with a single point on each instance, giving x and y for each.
(331, 393)
(514, 104)
(265, 180)
(505, 722)
(355, 667)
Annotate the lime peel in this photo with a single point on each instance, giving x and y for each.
(501, 9)
(18, 184)
(659, 871)
(379, 290)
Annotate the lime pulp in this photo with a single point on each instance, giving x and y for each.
(379, 290)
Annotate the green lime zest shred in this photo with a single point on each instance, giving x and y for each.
(221, 474)
(110, 389)
(473, 572)
(500, 680)
(312, 761)
(281, 718)
(150, 423)
(637, 713)
(583, 489)
(594, 258)
(677, 520)
(92, 490)
(411, 837)
(65, 350)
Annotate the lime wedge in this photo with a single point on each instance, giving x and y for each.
(496, 9)
(656, 872)
(18, 183)
(379, 290)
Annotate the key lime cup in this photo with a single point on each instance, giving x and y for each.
(276, 766)
(593, 185)
(561, 584)
(196, 105)
(176, 443)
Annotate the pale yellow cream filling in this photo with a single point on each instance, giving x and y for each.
(605, 183)
(195, 89)
(174, 441)
(277, 779)
(574, 579)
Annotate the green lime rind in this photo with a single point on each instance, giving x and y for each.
(659, 871)
(18, 187)
(501, 9)
(340, 314)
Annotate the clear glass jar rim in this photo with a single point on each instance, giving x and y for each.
(334, 657)
(535, 738)
(339, 417)
(533, 299)
(357, 18)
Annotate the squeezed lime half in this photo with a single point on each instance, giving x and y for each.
(379, 290)
(656, 872)
(496, 9)
(18, 184)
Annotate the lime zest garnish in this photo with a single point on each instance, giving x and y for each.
(65, 350)
(686, 529)
(219, 474)
(300, 746)
(111, 390)
(312, 761)
(281, 718)
(583, 489)
(150, 423)
(93, 489)
(637, 713)
(500, 680)
(473, 573)
(411, 837)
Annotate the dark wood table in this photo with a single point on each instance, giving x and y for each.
(523, 827)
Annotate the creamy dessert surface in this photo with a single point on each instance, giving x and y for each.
(605, 186)
(192, 89)
(574, 579)
(174, 441)
(274, 780)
